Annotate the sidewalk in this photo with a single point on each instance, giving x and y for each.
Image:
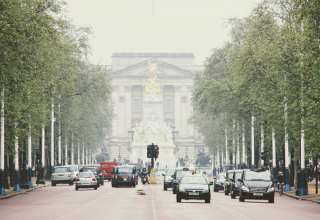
(11, 193)
(312, 197)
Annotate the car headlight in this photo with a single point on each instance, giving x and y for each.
(182, 189)
(271, 189)
(244, 188)
(205, 190)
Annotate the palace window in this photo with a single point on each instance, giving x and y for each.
(168, 104)
(136, 104)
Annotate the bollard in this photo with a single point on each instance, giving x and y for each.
(2, 184)
(286, 180)
(17, 181)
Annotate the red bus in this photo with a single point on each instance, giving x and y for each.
(106, 168)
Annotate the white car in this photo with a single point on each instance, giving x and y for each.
(86, 180)
(62, 174)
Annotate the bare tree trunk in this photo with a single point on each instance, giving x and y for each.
(29, 158)
(262, 143)
(226, 146)
(2, 174)
(252, 141)
(59, 136)
(72, 149)
(52, 162)
(244, 159)
(16, 161)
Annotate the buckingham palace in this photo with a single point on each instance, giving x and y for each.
(152, 103)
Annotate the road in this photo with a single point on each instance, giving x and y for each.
(64, 203)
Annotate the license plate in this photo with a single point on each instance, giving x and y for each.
(258, 194)
(193, 193)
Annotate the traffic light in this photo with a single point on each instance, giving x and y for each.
(263, 155)
(149, 151)
(156, 151)
(152, 151)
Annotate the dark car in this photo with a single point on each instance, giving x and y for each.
(177, 176)
(194, 187)
(235, 184)
(96, 170)
(124, 176)
(256, 185)
(219, 182)
(168, 180)
(227, 183)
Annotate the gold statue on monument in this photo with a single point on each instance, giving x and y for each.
(152, 87)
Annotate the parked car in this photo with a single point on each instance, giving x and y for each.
(95, 169)
(62, 175)
(177, 176)
(227, 183)
(235, 184)
(256, 185)
(86, 180)
(106, 168)
(168, 179)
(124, 175)
(219, 182)
(194, 187)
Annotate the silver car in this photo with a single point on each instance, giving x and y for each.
(86, 180)
(62, 174)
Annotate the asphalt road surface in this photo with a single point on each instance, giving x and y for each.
(64, 203)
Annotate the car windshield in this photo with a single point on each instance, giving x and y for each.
(86, 175)
(73, 168)
(169, 172)
(257, 176)
(221, 177)
(230, 175)
(61, 169)
(92, 169)
(181, 174)
(238, 175)
(193, 180)
(124, 170)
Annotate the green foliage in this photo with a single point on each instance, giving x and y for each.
(273, 54)
(42, 56)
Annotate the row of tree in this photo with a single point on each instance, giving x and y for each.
(260, 92)
(52, 98)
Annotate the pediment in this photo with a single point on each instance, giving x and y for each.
(164, 70)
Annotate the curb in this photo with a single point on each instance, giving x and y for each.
(10, 195)
(300, 198)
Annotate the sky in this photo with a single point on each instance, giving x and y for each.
(196, 26)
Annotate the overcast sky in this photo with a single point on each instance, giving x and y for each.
(195, 26)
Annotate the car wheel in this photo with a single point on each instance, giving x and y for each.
(226, 193)
(271, 200)
(95, 188)
(165, 188)
(216, 190)
(53, 183)
(207, 200)
(178, 198)
(232, 195)
(174, 191)
(241, 199)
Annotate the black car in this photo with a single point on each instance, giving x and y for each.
(168, 180)
(227, 183)
(256, 185)
(124, 176)
(219, 182)
(96, 170)
(194, 187)
(235, 184)
(177, 176)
